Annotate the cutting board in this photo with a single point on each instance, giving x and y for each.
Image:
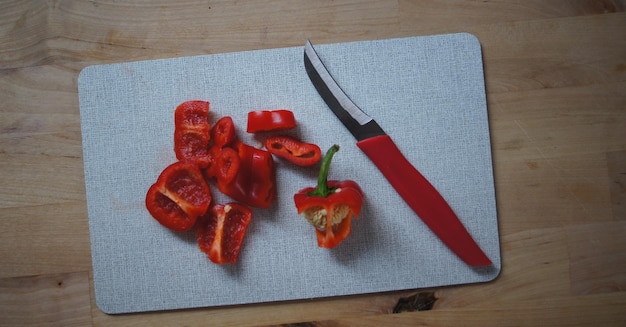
(427, 92)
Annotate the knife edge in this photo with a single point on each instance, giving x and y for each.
(361, 125)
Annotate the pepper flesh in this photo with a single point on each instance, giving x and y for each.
(255, 181)
(220, 232)
(191, 132)
(242, 172)
(270, 120)
(225, 166)
(224, 161)
(223, 132)
(179, 196)
(330, 206)
(293, 150)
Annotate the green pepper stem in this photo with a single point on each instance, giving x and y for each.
(322, 179)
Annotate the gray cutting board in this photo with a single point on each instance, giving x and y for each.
(427, 92)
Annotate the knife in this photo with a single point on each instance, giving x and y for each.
(410, 184)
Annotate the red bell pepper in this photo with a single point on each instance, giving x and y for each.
(293, 150)
(330, 206)
(221, 230)
(270, 120)
(191, 132)
(225, 166)
(242, 172)
(223, 132)
(255, 181)
(224, 159)
(179, 196)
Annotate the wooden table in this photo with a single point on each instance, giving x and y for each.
(556, 80)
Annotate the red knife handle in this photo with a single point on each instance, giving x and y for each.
(423, 198)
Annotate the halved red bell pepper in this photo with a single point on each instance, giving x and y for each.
(220, 232)
(270, 120)
(191, 132)
(330, 206)
(179, 196)
(293, 150)
(255, 181)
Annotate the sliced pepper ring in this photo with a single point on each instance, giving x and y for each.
(225, 166)
(270, 120)
(223, 132)
(293, 150)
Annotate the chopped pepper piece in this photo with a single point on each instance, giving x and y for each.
(242, 172)
(225, 166)
(330, 206)
(270, 120)
(191, 132)
(293, 150)
(221, 230)
(255, 181)
(179, 196)
(222, 163)
(223, 132)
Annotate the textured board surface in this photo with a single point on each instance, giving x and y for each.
(427, 92)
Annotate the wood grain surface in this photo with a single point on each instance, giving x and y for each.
(555, 76)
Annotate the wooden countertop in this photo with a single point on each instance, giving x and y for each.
(556, 80)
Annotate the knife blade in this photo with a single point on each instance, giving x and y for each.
(411, 185)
